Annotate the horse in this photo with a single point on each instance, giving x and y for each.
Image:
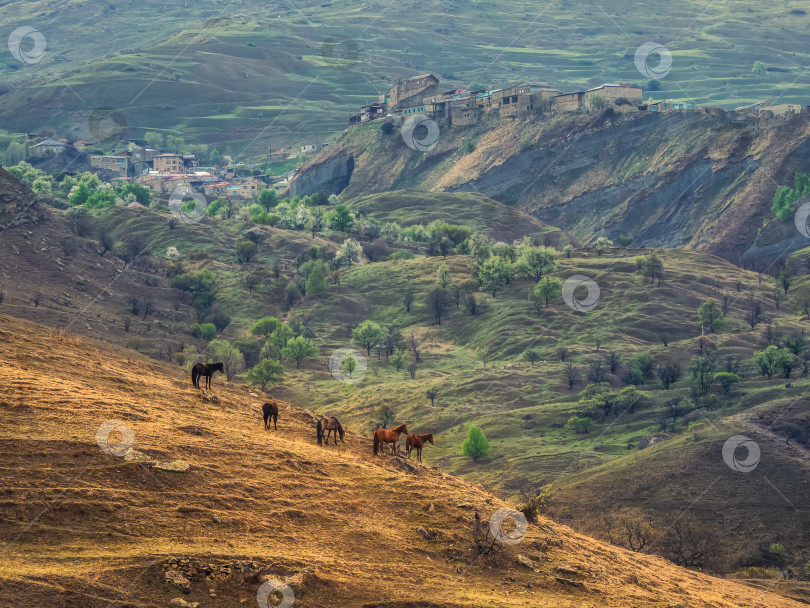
(417, 441)
(329, 424)
(270, 410)
(205, 370)
(383, 436)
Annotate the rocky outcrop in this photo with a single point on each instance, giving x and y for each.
(776, 241)
(328, 176)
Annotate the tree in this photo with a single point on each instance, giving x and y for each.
(614, 361)
(669, 372)
(727, 380)
(204, 331)
(154, 140)
(537, 261)
(532, 355)
(785, 277)
(348, 365)
(368, 335)
(398, 360)
(475, 446)
(232, 358)
(415, 345)
(547, 289)
(701, 372)
(292, 293)
(148, 307)
(653, 268)
(570, 375)
(340, 219)
(711, 317)
(267, 371)
(407, 300)
(245, 250)
(598, 102)
(386, 415)
(267, 198)
(470, 303)
(299, 349)
(759, 68)
(316, 281)
(579, 424)
(443, 276)
(493, 274)
(431, 394)
(265, 326)
(106, 241)
(601, 245)
(412, 370)
(437, 301)
(771, 359)
(251, 280)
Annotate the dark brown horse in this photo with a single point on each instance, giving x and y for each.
(383, 436)
(270, 410)
(205, 370)
(329, 424)
(417, 441)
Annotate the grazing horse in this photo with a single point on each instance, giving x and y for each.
(270, 410)
(417, 441)
(205, 370)
(329, 425)
(383, 436)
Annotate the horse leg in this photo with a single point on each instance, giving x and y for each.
(275, 419)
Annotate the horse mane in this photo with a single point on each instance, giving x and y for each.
(339, 428)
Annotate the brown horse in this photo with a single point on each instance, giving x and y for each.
(205, 370)
(270, 410)
(417, 441)
(329, 425)
(383, 436)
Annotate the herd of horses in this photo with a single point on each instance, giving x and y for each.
(330, 425)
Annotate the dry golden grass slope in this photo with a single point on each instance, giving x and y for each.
(79, 527)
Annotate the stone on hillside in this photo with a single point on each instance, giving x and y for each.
(179, 601)
(175, 466)
(425, 533)
(133, 454)
(525, 561)
(646, 442)
(178, 580)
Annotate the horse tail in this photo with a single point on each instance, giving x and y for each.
(340, 430)
(376, 443)
(319, 431)
(194, 375)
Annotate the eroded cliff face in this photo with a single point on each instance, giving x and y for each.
(685, 179)
(328, 176)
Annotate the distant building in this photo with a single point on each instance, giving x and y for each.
(81, 145)
(50, 145)
(312, 148)
(611, 93)
(423, 84)
(119, 164)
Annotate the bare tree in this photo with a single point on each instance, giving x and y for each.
(614, 360)
(470, 302)
(570, 375)
(415, 345)
(437, 303)
(412, 370)
(562, 353)
(407, 300)
(148, 306)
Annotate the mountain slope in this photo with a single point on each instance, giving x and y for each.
(223, 74)
(81, 527)
(684, 179)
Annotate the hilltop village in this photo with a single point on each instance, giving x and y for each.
(422, 95)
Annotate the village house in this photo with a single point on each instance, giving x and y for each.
(52, 146)
(174, 163)
(612, 93)
(81, 145)
(422, 85)
(119, 164)
(312, 148)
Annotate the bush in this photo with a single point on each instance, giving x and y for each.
(205, 331)
(475, 446)
(579, 424)
(402, 254)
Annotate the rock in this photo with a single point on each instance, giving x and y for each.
(173, 577)
(179, 601)
(219, 519)
(175, 466)
(646, 442)
(133, 454)
(565, 581)
(425, 533)
(525, 561)
(464, 505)
(296, 583)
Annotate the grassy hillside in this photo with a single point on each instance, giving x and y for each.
(82, 525)
(228, 75)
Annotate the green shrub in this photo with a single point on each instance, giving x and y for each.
(475, 446)
(205, 331)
